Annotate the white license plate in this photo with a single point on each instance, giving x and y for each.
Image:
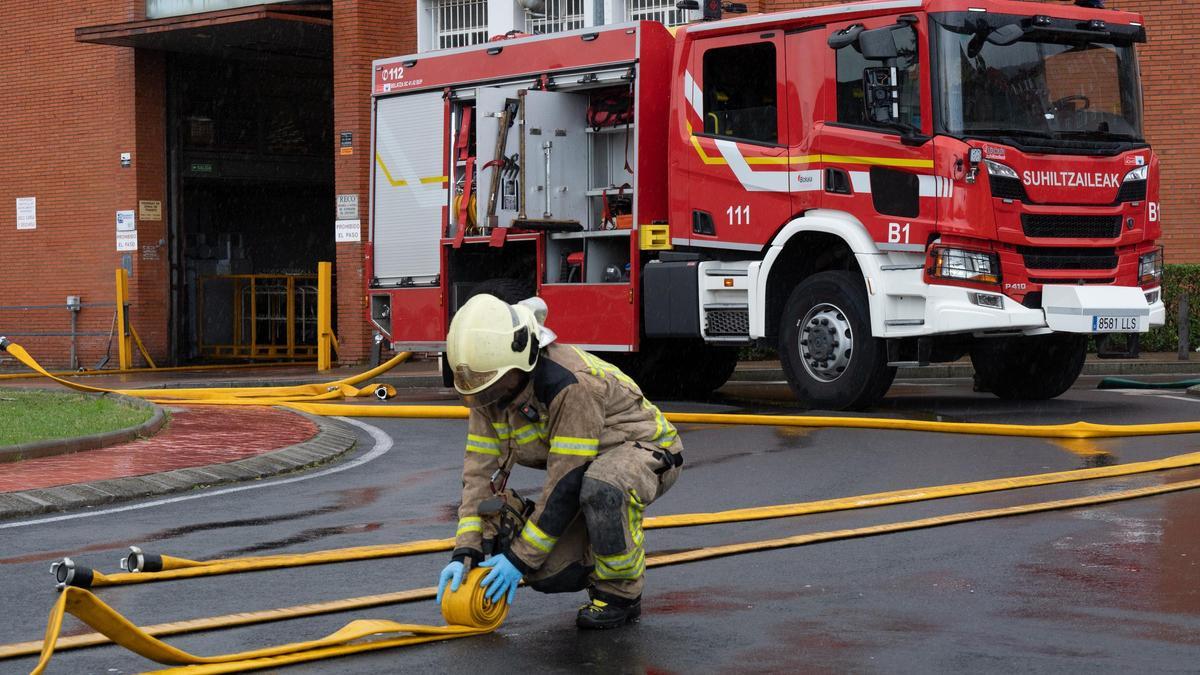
(1114, 324)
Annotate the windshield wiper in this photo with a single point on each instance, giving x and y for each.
(909, 133)
(1029, 133)
(1103, 135)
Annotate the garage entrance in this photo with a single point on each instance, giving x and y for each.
(250, 144)
(250, 174)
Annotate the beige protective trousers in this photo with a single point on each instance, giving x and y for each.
(603, 547)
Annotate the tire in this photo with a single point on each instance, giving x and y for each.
(710, 370)
(829, 313)
(686, 369)
(1029, 368)
(511, 291)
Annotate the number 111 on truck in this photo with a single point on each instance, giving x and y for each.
(859, 186)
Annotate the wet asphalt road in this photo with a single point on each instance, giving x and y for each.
(1106, 589)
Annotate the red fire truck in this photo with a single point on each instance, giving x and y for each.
(859, 186)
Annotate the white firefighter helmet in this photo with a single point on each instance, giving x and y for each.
(490, 338)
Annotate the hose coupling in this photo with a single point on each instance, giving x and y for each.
(383, 392)
(140, 561)
(67, 573)
(4, 343)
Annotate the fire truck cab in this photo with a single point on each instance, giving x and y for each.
(858, 186)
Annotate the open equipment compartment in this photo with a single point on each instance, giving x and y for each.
(582, 251)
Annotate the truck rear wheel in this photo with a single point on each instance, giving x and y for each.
(1032, 368)
(678, 368)
(826, 348)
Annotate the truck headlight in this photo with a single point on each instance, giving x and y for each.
(1000, 170)
(1140, 173)
(1150, 267)
(956, 263)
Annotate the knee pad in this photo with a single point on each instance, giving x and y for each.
(605, 508)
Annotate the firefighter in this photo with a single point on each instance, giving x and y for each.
(607, 452)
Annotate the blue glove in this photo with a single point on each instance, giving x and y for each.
(503, 578)
(452, 573)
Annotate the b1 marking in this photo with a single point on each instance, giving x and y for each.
(1153, 208)
(897, 233)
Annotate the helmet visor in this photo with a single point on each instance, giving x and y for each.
(467, 380)
(500, 394)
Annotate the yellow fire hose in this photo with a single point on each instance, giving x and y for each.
(467, 612)
(343, 388)
(467, 616)
(475, 618)
(169, 568)
(1075, 430)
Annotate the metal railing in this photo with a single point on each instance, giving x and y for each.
(12, 317)
(663, 11)
(554, 16)
(257, 316)
(458, 23)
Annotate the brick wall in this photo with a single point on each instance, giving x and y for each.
(363, 30)
(70, 109)
(1169, 105)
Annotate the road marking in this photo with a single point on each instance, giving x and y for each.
(383, 443)
(1154, 393)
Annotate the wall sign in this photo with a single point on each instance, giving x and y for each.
(347, 231)
(347, 207)
(149, 209)
(26, 213)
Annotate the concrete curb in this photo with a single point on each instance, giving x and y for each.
(63, 446)
(333, 439)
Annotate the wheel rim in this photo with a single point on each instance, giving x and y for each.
(826, 342)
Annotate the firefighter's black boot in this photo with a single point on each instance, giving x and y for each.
(606, 611)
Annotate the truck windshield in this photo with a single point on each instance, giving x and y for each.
(1052, 84)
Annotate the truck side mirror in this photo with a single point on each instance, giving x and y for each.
(845, 37)
(881, 94)
(1006, 35)
(878, 44)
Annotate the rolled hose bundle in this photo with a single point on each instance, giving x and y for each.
(467, 612)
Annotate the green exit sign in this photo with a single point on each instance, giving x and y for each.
(202, 167)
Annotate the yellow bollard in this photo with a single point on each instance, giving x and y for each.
(125, 341)
(325, 337)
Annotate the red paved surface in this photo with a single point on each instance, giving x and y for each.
(195, 436)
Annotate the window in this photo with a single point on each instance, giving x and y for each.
(663, 11)
(458, 23)
(739, 92)
(555, 16)
(851, 103)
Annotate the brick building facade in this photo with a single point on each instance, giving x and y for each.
(90, 80)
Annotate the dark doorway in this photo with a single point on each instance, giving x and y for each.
(252, 179)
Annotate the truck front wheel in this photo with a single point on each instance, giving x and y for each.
(1032, 368)
(826, 348)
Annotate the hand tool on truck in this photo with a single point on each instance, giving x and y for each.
(497, 164)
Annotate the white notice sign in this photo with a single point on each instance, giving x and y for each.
(127, 241)
(125, 222)
(26, 213)
(347, 206)
(347, 231)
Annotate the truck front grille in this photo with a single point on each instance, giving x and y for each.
(1132, 191)
(1008, 188)
(1014, 189)
(1071, 227)
(1069, 258)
